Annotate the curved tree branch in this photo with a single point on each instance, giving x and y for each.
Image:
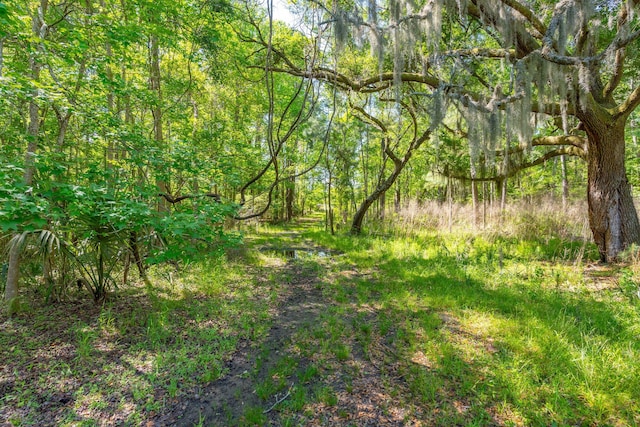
(629, 104)
(529, 15)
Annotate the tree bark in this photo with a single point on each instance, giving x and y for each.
(475, 201)
(329, 204)
(156, 110)
(382, 202)
(133, 247)
(11, 288)
(565, 181)
(356, 224)
(612, 214)
(1, 55)
(289, 198)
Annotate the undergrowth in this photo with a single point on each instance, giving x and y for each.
(511, 328)
(460, 325)
(130, 359)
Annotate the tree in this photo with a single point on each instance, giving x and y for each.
(39, 30)
(93, 105)
(390, 144)
(509, 67)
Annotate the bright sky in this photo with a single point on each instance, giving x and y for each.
(281, 12)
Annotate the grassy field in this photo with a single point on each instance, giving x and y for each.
(408, 325)
(498, 331)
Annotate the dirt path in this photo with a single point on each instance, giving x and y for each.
(356, 383)
(224, 402)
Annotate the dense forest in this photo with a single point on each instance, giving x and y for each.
(381, 212)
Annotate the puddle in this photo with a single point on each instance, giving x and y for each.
(298, 253)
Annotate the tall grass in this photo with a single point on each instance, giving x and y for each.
(545, 218)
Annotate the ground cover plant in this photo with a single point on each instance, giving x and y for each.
(299, 327)
(75, 363)
(214, 213)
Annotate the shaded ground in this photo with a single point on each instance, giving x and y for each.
(73, 363)
(225, 401)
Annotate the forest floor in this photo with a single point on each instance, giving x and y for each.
(287, 378)
(298, 327)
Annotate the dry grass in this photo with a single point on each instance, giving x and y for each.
(544, 218)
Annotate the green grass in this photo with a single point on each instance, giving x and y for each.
(459, 328)
(136, 355)
(512, 328)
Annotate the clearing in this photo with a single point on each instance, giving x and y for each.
(299, 327)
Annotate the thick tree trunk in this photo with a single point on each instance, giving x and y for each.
(612, 215)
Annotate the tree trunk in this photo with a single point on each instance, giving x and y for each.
(329, 205)
(382, 202)
(1, 55)
(289, 198)
(13, 272)
(484, 205)
(475, 201)
(133, 247)
(612, 214)
(356, 225)
(384, 185)
(156, 110)
(11, 288)
(565, 181)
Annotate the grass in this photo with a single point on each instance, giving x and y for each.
(496, 329)
(456, 327)
(136, 355)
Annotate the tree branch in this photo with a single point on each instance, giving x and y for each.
(177, 199)
(629, 105)
(486, 12)
(529, 15)
(482, 52)
(572, 140)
